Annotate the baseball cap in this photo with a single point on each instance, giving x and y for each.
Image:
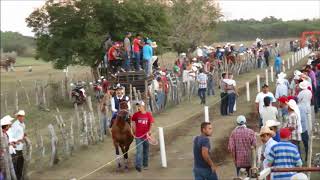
(241, 120)
(140, 103)
(285, 133)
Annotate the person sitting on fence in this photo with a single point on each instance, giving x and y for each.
(9, 149)
(17, 135)
(284, 154)
(115, 102)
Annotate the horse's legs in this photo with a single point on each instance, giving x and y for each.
(117, 155)
(124, 150)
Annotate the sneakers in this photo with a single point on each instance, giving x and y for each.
(138, 169)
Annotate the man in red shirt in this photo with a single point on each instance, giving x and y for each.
(113, 57)
(142, 123)
(137, 44)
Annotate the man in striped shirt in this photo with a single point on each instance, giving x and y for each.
(284, 155)
(202, 80)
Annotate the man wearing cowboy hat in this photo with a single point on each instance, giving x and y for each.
(115, 102)
(142, 124)
(266, 137)
(17, 135)
(5, 123)
(240, 142)
(273, 126)
(284, 154)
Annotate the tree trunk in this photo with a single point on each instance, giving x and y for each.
(95, 72)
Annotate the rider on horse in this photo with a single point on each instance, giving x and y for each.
(116, 100)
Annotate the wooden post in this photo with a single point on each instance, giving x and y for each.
(139, 95)
(258, 83)
(85, 140)
(76, 110)
(131, 103)
(267, 77)
(146, 89)
(25, 91)
(66, 82)
(64, 134)
(100, 120)
(72, 142)
(36, 90)
(44, 96)
(54, 142)
(93, 128)
(248, 91)
(5, 103)
(17, 101)
(62, 89)
(135, 94)
(272, 74)
(27, 158)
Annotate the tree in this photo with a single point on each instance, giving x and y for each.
(71, 32)
(14, 41)
(192, 21)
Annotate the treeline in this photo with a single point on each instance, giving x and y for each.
(267, 28)
(16, 42)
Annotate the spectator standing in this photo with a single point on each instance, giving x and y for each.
(278, 64)
(294, 123)
(260, 100)
(268, 111)
(17, 136)
(224, 95)
(128, 51)
(284, 154)
(147, 57)
(202, 80)
(203, 167)
(142, 124)
(240, 142)
(266, 137)
(137, 43)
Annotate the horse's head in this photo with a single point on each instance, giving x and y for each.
(123, 105)
(123, 115)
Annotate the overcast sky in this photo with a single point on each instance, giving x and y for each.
(14, 12)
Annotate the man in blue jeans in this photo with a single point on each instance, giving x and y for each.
(141, 124)
(147, 57)
(202, 80)
(204, 168)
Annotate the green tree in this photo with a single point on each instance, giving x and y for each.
(192, 22)
(14, 41)
(72, 32)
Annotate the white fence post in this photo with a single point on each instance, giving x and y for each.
(271, 74)
(206, 114)
(267, 78)
(162, 148)
(248, 91)
(258, 83)
(288, 61)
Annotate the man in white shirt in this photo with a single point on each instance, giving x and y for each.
(268, 112)
(260, 100)
(16, 136)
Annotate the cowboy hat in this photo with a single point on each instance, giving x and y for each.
(241, 45)
(282, 75)
(297, 73)
(299, 176)
(20, 113)
(183, 55)
(296, 77)
(154, 44)
(266, 130)
(241, 120)
(6, 120)
(221, 50)
(292, 104)
(272, 123)
(140, 103)
(304, 85)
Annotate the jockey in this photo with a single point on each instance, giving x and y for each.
(115, 102)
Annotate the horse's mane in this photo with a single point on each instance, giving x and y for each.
(123, 105)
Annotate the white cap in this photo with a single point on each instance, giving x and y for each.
(20, 113)
(141, 103)
(297, 73)
(299, 176)
(6, 120)
(241, 120)
(282, 75)
(304, 85)
(241, 44)
(272, 123)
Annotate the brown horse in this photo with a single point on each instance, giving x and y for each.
(121, 133)
(8, 63)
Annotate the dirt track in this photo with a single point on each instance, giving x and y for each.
(178, 145)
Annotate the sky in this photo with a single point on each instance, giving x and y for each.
(14, 12)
